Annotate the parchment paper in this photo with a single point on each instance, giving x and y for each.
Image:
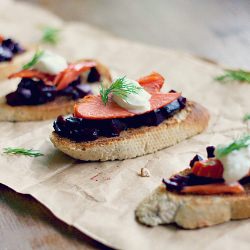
(100, 198)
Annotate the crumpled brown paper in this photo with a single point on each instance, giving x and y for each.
(100, 198)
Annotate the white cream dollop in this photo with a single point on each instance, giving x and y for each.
(134, 103)
(51, 63)
(236, 164)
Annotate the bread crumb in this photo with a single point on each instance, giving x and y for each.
(144, 172)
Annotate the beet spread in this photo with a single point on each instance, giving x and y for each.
(178, 182)
(35, 92)
(8, 49)
(80, 129)
(93, 76)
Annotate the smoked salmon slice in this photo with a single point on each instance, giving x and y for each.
(92, 107)
(211, 168)
(152, 83)
(1, 38)
(70, 74)
(30, 73)
(220, 188)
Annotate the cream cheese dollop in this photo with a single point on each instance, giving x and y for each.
(134, 102)
(236, 164)
(51, 63)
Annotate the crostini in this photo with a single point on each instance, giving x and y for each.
(210, 192)
(12, 56)
(128, 119)
(49, 87)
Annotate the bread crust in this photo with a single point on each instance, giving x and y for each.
(140, 141)
(192, 211)
(60, 106)
(7, 68)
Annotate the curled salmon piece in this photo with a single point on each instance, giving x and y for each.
(220, 188)
(92, 107)
(152, 83)
(211, 168)
(27, 73)
(70, 74)
(1, 38)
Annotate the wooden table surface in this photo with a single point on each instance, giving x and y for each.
(219, 30)
(27, 224)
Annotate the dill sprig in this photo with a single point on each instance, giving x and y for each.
(34, 59)
(243, 142)
(246, 117)
(119, 87)
(23, 151)
(50, 35)
(234, 75)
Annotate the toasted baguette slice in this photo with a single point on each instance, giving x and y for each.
(7, 68)
(50, 110)
(140, 141)
(192, 211)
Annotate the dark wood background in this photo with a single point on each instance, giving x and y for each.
(219, 30)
